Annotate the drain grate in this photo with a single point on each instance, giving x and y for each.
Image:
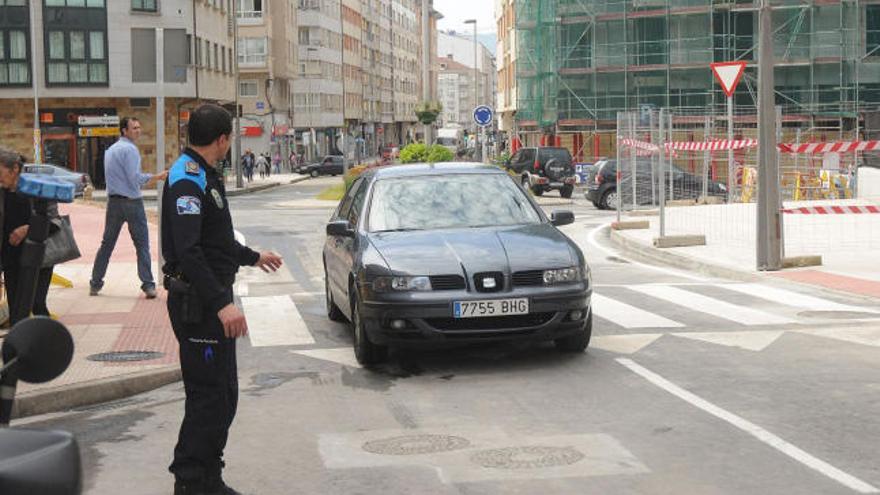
(415, 445)
(527, 457)
(126, 356)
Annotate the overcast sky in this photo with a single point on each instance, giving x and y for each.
(456, 11)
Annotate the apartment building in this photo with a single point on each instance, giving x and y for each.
(97, 61)
(406, 52)
(459, 48)
(456, 92)
(505, 16)
(267, 65)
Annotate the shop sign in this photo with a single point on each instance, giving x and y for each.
(98, 131)
(90, 120)
(251, 131)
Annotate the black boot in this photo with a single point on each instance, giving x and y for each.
(184, 487)
(216, 486)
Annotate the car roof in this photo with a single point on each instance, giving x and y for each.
(425, 169)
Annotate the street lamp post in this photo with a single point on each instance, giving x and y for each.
(37, 137)
(476, 85)
(313, 145)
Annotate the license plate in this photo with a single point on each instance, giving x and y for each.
(490, 307)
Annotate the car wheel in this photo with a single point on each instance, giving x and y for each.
(577, 342)
(365, 352)
(314, 173)
(596, 205)
(566, 191)
(609, 199)
(333, 311)
(525, 182)
(538, 191)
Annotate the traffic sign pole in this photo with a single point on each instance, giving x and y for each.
(728, 75)
(730, 170)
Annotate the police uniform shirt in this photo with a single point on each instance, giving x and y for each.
(197, 236)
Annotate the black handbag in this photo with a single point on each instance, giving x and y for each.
(61, 246)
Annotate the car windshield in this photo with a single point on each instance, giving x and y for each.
(449, 201)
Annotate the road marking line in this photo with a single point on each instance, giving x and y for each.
(750, 341)
(676, 273)
(711, 306)
(628, 316)
(761, 434)
(624, 344)
(791, 298)
(275, 321)
(338, 355)
(241, 289)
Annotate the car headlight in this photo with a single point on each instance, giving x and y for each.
(390, 284)
(565, 275)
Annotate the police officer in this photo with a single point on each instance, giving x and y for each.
(202, 257)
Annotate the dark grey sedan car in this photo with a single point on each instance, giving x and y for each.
(425, 255)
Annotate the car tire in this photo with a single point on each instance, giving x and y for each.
(566, 191)
(538, 191)
(579, 341)
(609, 199)
(314, 173)
(525, 182)
(596, 205)
(366, 352)
(333, 311)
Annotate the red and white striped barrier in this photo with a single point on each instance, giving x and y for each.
(832, 210)
(719, 145)
(639, 145)
(834, 147)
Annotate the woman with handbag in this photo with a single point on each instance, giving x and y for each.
(15, 214)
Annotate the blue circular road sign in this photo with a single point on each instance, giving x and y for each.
(483, 115)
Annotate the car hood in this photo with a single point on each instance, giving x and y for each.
(468, 251)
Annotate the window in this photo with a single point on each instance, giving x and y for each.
(252, 51)
(76, 43)
(144, 5)
(143, 55)
(872, 30)
(216, 56)
(248, 89)
(14, 65)
(250, 9)
(176, 58)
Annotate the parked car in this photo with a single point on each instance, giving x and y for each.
(329, 165)
(602, 189)
(426, 255)
(544, 169)
(79, 179)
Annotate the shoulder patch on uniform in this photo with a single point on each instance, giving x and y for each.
(192, 168)
(189, 205)
(184, 168)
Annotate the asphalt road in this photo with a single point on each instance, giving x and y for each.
(691, 385)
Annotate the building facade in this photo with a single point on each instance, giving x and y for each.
(505, 16)
(456, 92)
(577, 63)
(460, 49)
(267, 65)
(98, 61)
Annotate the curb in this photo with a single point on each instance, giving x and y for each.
(234, 192)
(678, 260)
(684, 262)
(67, 397)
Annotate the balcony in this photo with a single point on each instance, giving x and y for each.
(250, 17)
(252, 60)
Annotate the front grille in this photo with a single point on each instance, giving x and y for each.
(512, 322)
(480, 281)
(447, 282)
(528, 278)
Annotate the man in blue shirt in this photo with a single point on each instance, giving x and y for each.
(122, 172)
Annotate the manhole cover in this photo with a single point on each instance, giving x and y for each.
(527, 457)
(838, 315)
(415, 444)
(125, 356)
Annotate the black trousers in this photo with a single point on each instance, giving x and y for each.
(11, 276)
(210, 379)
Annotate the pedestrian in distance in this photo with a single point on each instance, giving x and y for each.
(262, 165)
(247, 164)
(15, 214)
(202, 258)
(125, 205)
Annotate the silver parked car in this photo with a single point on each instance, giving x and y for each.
(426, 255)
(79, 179)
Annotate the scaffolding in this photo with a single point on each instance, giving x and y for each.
(580, 62)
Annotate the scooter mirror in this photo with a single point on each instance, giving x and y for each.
(43, 346)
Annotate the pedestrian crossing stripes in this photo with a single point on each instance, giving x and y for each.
(710, 305)
(275, 321)
(629, 316)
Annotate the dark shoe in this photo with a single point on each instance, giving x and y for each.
(188, 488)
(219, 487)
(150, 292)
(93, 291)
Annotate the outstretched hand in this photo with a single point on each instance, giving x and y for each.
(269, 261)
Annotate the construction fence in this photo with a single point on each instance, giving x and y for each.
(705, 175)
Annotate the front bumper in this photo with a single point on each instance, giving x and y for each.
(429, 321)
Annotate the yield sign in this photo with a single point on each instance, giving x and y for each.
(728, 75)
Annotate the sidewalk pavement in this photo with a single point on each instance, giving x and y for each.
(119, 320)
(847, 243)
(258, 184)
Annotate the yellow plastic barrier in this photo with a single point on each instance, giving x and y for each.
(60, 281)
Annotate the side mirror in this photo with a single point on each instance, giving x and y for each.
(340, 228)
(561, 217)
